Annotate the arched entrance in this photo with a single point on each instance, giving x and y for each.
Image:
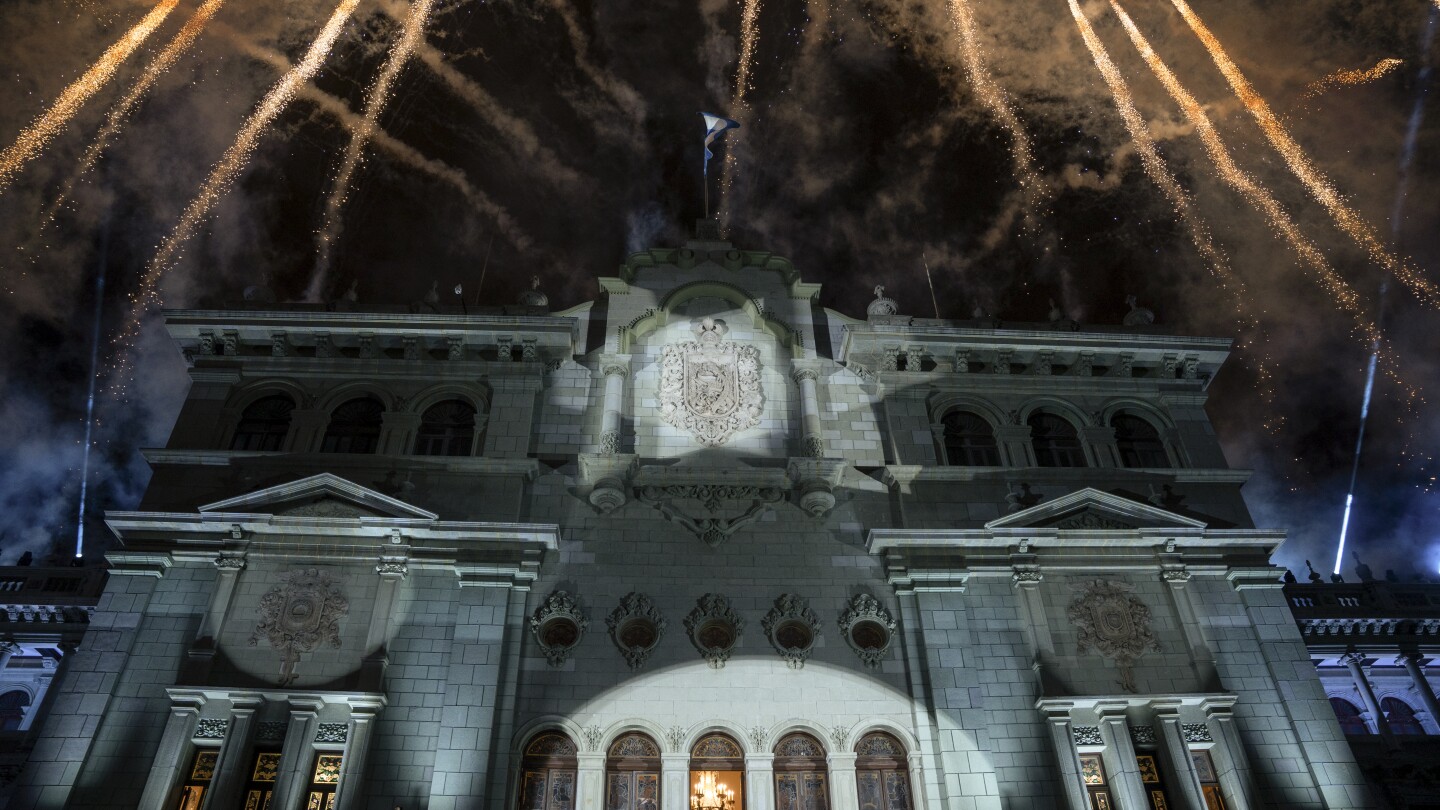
(717, 760)
(801, 780)
(547, 773)
(882, 773)
(632, 773)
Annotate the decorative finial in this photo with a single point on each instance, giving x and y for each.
(881, 306)
(533, 297)
(1138, 315)
(1314, 577)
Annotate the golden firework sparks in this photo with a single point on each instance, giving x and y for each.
(739, 106)
(411, 34)
(49, 124)
(1350, 78)
(1301, 166)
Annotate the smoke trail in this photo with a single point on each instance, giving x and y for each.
(1349, 78)
(1301, 166)
(45, 128)
(411, 34)
(224, 173)
(118, 114)
(625, 97)
(90, 394)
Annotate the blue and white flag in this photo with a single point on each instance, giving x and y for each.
(714, 125)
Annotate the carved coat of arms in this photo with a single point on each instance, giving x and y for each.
(710, 386)
(1115, 624)
(299, 615)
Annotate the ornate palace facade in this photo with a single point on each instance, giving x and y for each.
(700, 530)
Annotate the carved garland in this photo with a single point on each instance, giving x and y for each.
(299, 615)
(1115, 624)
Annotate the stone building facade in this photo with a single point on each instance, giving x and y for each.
(700, 526)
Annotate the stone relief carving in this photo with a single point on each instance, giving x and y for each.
(328, 508)
(710, 386)
(1087, 735)
(714, 628)
(868, 628)
(1113, 623)
(558, 625)
(636, 626)
(838, 735)
(676, 738)
(697, 507)
(211, 728)
(1143, 735)
(331, 733)
(792, 628)
(593, 736)
(757, 735)
(1091, 520)
(300, 614)
(1196, 732)
(270, 731)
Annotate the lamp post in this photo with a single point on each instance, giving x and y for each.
(711, 795)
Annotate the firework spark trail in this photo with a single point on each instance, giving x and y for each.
(1301, 166)
(739, 106)
(962, 19)
(401, 151)
(49, 124)
(221, 177)
(411, 34)
(1161, 175)
(120, 112)
(1349, 78)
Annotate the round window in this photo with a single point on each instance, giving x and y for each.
(638, 634)
(794, 635)
(867, 635)
(560, 632)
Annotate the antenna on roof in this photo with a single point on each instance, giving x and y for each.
(933, 300)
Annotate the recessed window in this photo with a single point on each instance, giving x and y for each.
(882, 774)
(446, 429)
(969, 441)
(547, 773)
(1350, 720)
(12, 709)
(354, 427)
(1400, 717)
(1138, 442)
(264, 424)
(632, 774)
(1055, 440)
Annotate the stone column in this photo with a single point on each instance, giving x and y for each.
(165, 771)
(1230, 759)
(1015, 444)
(234, 761)
(590, 781)
(1411, 662)
(844, 793)
(297, 752)
(674, 781)
(1062, 740)
(616, 368)
(352, 788)
(805, 377)
(1175, 755)
(1355, 662)
(1119, 756)
(1200, 655)
(7, 649)
(760, 781)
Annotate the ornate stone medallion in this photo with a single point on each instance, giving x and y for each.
(299, 615)
(710, 386)
(1115, 624)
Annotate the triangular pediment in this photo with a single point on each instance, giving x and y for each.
(323, 495)
(1092, 509)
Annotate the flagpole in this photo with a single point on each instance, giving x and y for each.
(933, 301)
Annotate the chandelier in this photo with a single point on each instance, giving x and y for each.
(711, 795)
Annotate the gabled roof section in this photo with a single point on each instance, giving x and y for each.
(323, 495)
(1089, 508)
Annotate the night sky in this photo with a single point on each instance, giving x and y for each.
(558, 135)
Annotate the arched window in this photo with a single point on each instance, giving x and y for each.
(1138, 442)
(264, 424)
(1350, 720)
(882, 774)
(969, 441)
(717, 765)
(1400, 717)
(800, 776)
(446, 429)
(354, 427)
(632, 774)
(547, 773)
(12, 709)
(1055, 440)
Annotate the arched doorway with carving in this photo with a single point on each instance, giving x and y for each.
(547, 772)
(801, 778)
(717, 773)
(632, 773)
(882, 773)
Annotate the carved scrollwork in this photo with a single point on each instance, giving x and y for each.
(1115, 624)
(792, 628)
(838, 735)
(676, 737)
(558, 625)
(593, 735)
(714, 628)
(710, 387)
(758, 735)
(698, 507)
(300, 614)
(634, 745)
(636, 627)
(1090, 520)
(1087, 735)
(868, 628)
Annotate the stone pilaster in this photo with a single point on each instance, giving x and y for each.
(805, 377)
(760, 781)
(590, 779)
(616, 368)
(1015, 444)
(352, 789)
(1119, 755)
(234, 759)
(296, 754)
(674, 781)
(1062, 740)
(165, 771)
(844, 793)
(1201, 657)
(1183, 781)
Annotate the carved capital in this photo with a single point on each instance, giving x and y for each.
(1175, 576)
(1353, 657)
(230, 562)
(392, 568)
(1026, 576)
(610, 442)
(802, 373)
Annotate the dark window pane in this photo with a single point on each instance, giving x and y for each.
(1139, 443)
(1056, 442)
(354, 427)
(969, 441)
(446, 429)
(264, 424)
